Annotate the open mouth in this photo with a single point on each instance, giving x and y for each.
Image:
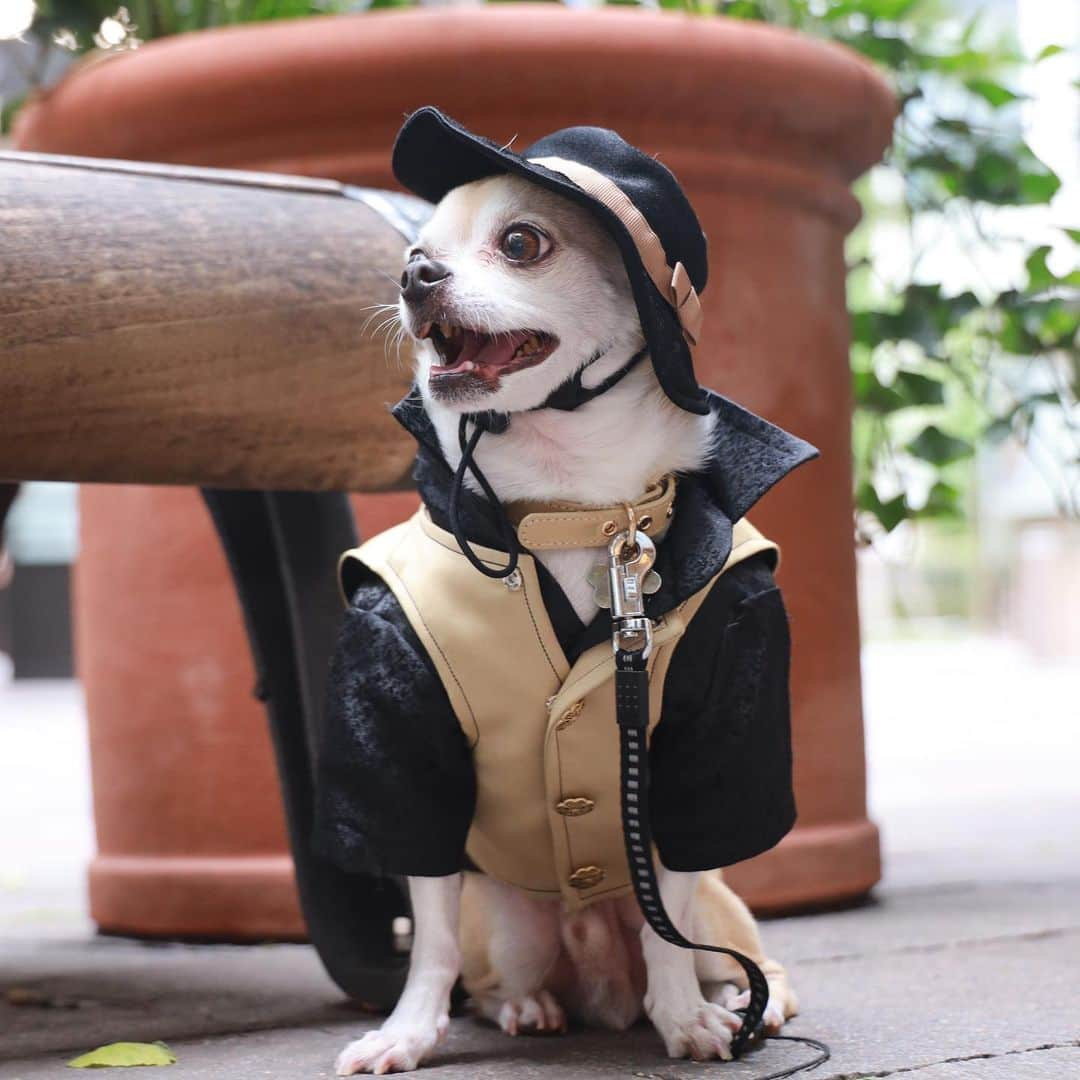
(474, 356)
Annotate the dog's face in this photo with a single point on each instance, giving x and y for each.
(509, 290)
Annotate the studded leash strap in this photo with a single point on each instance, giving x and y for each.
(631, 555)
(632, 713)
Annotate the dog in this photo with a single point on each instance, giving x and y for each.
(508, 292)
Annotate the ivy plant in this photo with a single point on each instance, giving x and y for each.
(940, 369)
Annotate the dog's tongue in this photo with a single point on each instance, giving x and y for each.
(490, 350)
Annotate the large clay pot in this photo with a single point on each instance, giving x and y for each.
(766, 129)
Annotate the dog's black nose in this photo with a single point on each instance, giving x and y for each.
(421, 276)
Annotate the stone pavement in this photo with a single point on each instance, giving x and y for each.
(966, 965)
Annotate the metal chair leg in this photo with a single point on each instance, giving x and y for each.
(281, 548)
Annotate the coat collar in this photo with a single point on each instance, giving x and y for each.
(749, 457)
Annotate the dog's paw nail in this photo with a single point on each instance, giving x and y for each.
(532, 1015)
(773, 1019)
(399, 1049)
(508, 1017)
(702, 1033)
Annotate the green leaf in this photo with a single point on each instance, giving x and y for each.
(918, 389)
(887, 10)
(1004, 175)
(943, 500)
(892, 51)
(1039, 274)
(123, 1055)
(994, 93)
(1049, 50)
(933, 445)
(1038, 187)
(874, 395)
(890, 512)
(1073, 235)
(953, 126)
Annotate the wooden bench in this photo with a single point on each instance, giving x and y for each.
(164, 325)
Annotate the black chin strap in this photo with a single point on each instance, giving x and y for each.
(495, 423)
(571, 395)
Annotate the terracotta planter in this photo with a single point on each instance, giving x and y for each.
(764, 128)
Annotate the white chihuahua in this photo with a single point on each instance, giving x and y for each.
(508, 292)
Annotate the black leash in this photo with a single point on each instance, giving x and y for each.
(632, 714)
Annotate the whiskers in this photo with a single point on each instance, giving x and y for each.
(387, 325)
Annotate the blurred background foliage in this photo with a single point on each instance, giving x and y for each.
(965, 292)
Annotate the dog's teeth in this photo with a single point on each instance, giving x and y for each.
(446, 330)
(425, 330)
(468, 366)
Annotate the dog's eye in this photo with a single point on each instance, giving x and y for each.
(523, 243)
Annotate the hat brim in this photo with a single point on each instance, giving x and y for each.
(433, 155)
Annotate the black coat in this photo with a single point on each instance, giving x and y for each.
(395, 784)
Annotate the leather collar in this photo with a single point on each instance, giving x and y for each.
(553, 525)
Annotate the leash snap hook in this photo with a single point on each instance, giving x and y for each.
(631, 556)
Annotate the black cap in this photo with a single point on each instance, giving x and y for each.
(433, 155)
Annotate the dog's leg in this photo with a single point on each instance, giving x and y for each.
(721, 918)
(422, 1014)
(511, 943)
(690, 1025)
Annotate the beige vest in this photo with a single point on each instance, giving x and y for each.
(542, 731)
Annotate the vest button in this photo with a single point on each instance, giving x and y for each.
(570, 715)
(585, 877)
(575, 807)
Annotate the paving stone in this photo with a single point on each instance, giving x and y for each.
(470, 1052)
(1052, 1063)
(898, 1011)
(880, 1013)
(920, 918)
(127, 990)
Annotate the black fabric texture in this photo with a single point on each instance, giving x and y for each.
(434, 154)
(396, 788)
(721, 786)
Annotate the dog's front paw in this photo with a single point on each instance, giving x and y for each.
(702, 1031)
(393, 1048)
(773, 1018)
(530, 1015)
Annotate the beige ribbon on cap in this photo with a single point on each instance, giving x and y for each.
(674, 284)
